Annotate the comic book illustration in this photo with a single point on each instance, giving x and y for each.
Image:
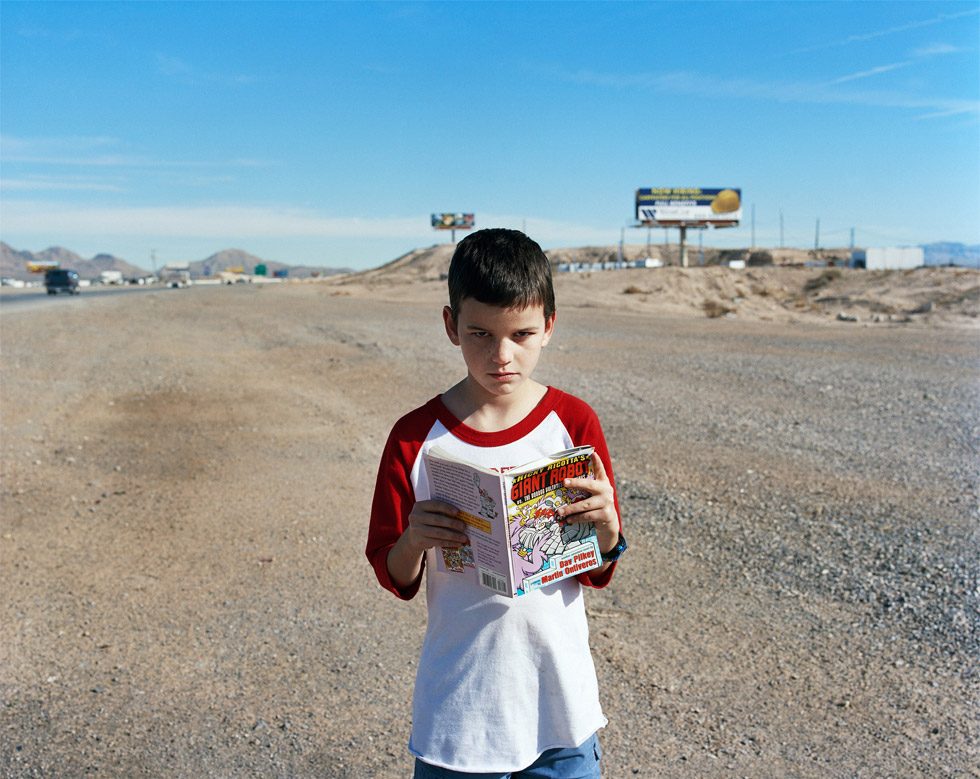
(517, 541)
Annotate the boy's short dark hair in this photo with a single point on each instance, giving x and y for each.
(500, 268)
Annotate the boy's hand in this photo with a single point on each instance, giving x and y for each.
(434, 523)
(431, 523)
(598, 508)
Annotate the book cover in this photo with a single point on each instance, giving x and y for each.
(517, 542)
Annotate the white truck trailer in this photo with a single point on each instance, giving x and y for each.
(176, 274)
(888, 258)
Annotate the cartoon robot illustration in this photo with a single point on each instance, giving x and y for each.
(536, 534)
(488, 506)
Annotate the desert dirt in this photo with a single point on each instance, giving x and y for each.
(186, 481)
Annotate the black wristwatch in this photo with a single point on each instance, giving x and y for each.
(616, 552)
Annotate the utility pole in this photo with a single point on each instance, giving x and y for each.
(816, 237)
(852, 239)
(153, 261)
(622, 237)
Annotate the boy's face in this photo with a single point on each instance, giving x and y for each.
(500, 346)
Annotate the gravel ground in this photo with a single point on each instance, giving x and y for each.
(186, 483)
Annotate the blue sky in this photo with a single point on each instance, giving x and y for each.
(327, 133)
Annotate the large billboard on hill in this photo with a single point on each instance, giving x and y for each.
(689, 206)
(453, 221)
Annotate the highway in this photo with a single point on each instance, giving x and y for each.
(22, 299)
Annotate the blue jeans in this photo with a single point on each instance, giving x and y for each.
(581, 762)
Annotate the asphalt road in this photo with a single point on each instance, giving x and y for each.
(34, 298)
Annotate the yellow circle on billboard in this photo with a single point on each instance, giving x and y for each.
(725, 202)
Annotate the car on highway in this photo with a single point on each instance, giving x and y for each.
(61, 280)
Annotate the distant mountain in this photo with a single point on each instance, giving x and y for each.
(227, 258)
(13, 264)
(238, 258)
(945, 253)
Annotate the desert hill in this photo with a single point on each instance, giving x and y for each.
(426, 264)
(789, 289)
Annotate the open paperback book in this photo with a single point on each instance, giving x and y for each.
(517, 542)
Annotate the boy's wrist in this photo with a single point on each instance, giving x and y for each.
(608, 538)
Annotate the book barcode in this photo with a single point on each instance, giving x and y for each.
(494, 582)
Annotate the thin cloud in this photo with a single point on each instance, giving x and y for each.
(236, 222)
(708, 86)
(937, 50)
(100, 152)
(70, 143)
(64, 35)
(199, 221)
(868, 36)
(871, 72)
(172, 66)
(176, 68)
(46, 184)
(553, 232)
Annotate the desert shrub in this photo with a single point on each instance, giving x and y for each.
(632, 289)
(821, 281)
(714, 309)
(759, 258)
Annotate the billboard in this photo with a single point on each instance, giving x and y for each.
(691, 206)
(42, 266)
(453, 221)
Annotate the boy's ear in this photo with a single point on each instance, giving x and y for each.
(451, 329)
(549, 328)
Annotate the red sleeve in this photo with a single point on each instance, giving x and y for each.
(584, 427)
(394, 497)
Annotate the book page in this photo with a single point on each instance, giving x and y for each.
(479, 499)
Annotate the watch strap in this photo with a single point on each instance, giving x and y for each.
(616, 552)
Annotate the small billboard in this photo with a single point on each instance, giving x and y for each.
(453, 221)
(689, 206)
(42, 266)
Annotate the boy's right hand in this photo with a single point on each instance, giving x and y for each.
(435, 523)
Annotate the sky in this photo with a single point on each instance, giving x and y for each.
(326, 134)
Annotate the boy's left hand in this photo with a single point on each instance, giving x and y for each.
(598, 508)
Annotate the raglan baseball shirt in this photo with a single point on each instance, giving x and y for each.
(500, 680)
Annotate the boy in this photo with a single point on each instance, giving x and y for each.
(504, 687)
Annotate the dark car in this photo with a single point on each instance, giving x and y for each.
(61, 281)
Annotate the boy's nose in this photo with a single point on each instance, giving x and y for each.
(502, 353)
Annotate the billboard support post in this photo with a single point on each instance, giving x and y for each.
(683, 229)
